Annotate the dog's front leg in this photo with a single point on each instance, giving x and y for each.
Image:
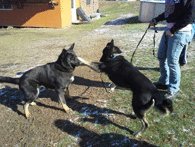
(61, 95)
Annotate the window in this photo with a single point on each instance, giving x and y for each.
(88, 2)
(5, 5)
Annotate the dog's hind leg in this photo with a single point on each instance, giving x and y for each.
(67, 95)
(61, 95)
(112, 87)
(31, 94)
(34, 103)
(144, 123)
(26, 110)
(141, 104)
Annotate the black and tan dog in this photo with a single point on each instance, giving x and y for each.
(56, 75)
(125, 75)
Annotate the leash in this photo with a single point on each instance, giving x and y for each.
(139, 43)
(103, 83)
(154, 41)
(85, 91)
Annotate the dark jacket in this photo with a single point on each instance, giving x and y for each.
(178, 12)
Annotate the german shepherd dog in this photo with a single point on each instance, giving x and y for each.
(56, 75)
(125, 75)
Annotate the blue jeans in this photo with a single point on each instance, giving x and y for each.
(183, 56)
(193, 30)
(168, 54)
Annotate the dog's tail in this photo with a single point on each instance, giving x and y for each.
(9, 80)
(162, 104)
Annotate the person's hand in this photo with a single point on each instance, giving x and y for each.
(168, 33)
(152, 23)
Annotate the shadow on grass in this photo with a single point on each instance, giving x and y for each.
(149, 68)
(87, 82)
(123, 21)
(158, 28)
(91, 138)
(11, 98)
(95, 114)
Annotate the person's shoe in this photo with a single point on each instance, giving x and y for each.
(160, 86)
(171, 95)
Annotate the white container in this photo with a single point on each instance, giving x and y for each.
(150, 9)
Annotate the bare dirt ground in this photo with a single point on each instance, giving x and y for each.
(47, 125)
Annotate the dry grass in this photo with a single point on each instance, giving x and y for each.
(99, 118)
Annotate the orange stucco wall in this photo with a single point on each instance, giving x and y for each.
(38, 15)
(65, 12)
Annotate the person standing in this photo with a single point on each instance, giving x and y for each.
(178, 15)
(183, 56)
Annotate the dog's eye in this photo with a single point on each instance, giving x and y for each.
(72, 57)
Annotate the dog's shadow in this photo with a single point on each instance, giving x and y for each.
(91, 138)
(94, 114)
(157, 69)
(11, 98)
(89, 112)
(87, 82)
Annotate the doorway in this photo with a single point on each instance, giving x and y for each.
(73, 11)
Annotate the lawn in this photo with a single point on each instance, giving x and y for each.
(99, 118)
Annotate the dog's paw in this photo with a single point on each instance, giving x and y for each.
(67, 109)
(27, 115)
(137, 134)
(112, 90)
(33, 104)
(95, 66)
(132, 115)
(112, 87)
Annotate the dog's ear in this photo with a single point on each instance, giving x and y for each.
(71, 47)
(110, 45)
(64, 50)
(112, 42)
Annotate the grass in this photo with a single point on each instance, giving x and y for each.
(175, 130)
(108, 128)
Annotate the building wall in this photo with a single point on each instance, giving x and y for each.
(41, 15)
(65, 12)
(38, 15)
(90, 6)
